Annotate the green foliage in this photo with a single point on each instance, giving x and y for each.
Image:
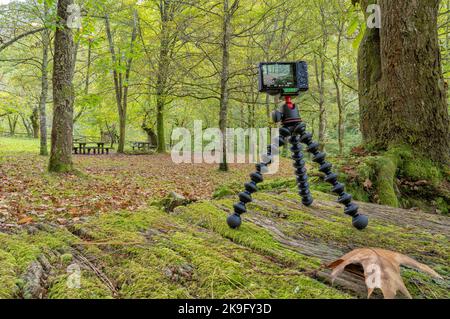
(443, 205)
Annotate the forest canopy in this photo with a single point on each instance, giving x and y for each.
(176, 64)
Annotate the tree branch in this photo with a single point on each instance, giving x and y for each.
(23, 35)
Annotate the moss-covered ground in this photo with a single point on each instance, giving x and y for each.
(100, 233)
(191, 253)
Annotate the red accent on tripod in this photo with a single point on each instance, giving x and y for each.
(288, 100)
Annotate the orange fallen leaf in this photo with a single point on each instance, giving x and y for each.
(381, 269)
(25, 220)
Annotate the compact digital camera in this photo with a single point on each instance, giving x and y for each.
(284, 78)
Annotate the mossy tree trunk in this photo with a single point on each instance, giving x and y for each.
(63, 93)
(401, 86)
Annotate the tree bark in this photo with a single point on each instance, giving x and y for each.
(224, 77)
(339, 90)
(63, 93)
(44, 90)
(34, 121)
(162, 75)
(401, 85)
(320, 78)
(12, 123)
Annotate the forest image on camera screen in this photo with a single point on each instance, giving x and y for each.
(278, 75)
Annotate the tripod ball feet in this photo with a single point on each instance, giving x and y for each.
(307, 201)
(360, 222)
(234, 221)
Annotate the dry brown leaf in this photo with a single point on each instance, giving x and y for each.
(381, 269)
(25, 220)
(367, 184)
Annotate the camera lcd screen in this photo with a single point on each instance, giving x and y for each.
(278, 75)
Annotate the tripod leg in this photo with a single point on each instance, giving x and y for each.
(300, 170)
(351, 209)
(245, 197)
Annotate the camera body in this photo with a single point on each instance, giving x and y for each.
(284, 78)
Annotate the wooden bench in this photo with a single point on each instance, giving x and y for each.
(83, 148)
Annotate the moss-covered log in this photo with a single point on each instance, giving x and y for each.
(279, 251)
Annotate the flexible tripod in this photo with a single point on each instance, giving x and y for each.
(293, 130)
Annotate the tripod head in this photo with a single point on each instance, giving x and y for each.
(288, 114)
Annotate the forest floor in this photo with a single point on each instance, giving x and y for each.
(107, 222)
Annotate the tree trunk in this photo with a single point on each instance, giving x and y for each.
(224, 77)
(63, 94)
(401, 86)
(12, 122)
(34, 120)
(152, 138)
(27, 125)
(87, 81)
(163, 69)
(268, 113)
(44, 91)
(339, 91)
(120, 87)
(341, 115)
(320, 79)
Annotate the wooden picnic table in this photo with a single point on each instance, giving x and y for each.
(142, 145)
(83, 148)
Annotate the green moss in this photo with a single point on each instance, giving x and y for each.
(58, 167)
(423, 286)
(330, 225)
(422, 169)
(358, 193)
(367, 169)
(271, 184)
(208, 215)
(387, 172)
(8, 277)
(90, 288)
(177, 259)
(66, 259)
(24, 248)
(278, 183)
(225, 190)
(193, 254)
(442, 205)
(416, 167)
